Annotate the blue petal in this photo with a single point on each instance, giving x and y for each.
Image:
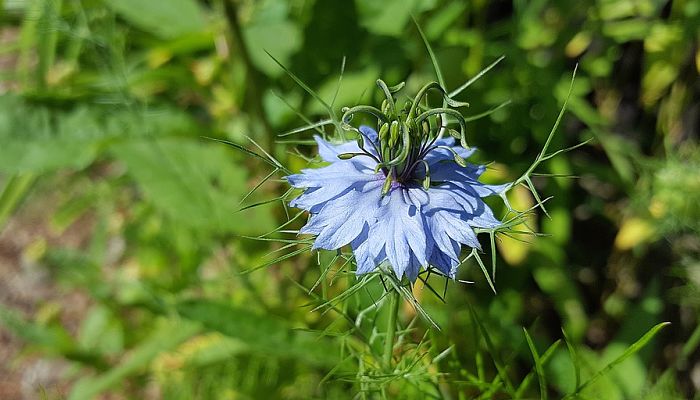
(442, 239)
(464, 204)
(490, 190)
(400, 228)
(344, 218)
(413, 268)
(369, 133)
(448, 170)
(314, 199)
(457, 229)
(367, 261)
(340, 172)
(445, 264)
(442, 154)
(329, 152)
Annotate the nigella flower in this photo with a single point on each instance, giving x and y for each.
(404, 194)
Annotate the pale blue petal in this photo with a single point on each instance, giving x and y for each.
(444, 264)
(442, 240)
(490, 190)
(441, 154)
(369, 133)
(329, 152)
(346, 217)
(401, 228)
(340, 172)
(413, 268)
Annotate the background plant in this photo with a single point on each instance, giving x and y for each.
(122, 249)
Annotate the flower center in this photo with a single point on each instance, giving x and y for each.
(407, 134)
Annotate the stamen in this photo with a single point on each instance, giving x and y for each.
(398, 159)
(426, 179)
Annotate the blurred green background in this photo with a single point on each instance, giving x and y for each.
(122, 249)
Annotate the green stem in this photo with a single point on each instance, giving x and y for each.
(255, 85)
(391, 328)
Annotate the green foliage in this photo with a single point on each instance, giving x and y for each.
(193, 183)
(161, 19)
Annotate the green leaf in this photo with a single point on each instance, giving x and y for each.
(40, 139)
(165, 19)
(35, 139)
(262, 334)
(355, 88)
(166, 336)
(53, 338)
(631, 350)
(269, 31)
(11, 194)
(574, 359)
(492, 350)
(100, 331)
(193, 183)
(538, 365)
(389, 17)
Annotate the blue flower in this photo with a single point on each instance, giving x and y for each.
(418, 213)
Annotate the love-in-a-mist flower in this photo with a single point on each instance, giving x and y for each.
(401, 194)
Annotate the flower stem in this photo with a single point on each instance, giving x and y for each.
(391, 328)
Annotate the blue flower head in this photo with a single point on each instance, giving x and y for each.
(404, 194)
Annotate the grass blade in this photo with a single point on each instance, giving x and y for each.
(574, 359)
(635, 347)
(538, 365)
(502, 373)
